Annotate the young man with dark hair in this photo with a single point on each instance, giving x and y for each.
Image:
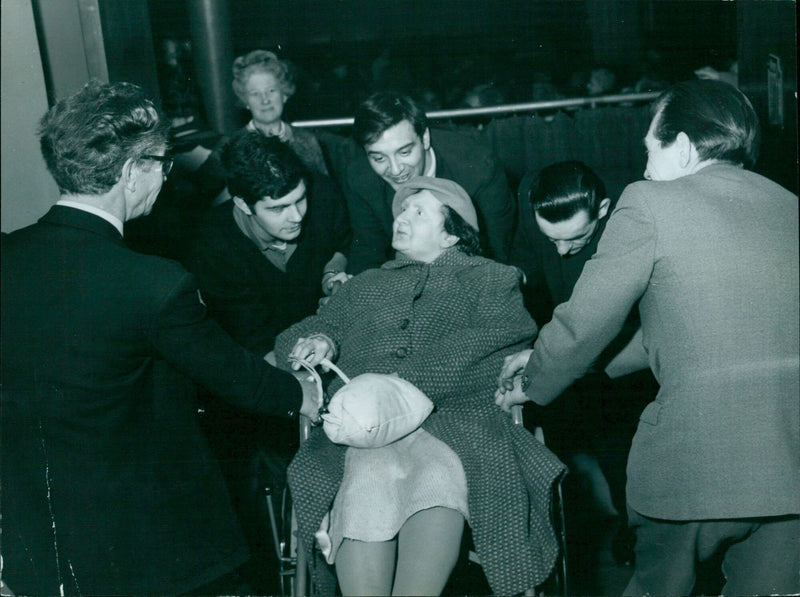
(562, 211)
(397, 143)
(263, 261)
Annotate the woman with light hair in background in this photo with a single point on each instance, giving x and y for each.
(263, 83)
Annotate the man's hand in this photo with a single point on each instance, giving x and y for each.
(506, 398)
(513, 366)
(312, 397)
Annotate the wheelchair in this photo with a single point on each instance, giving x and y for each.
(295, 580)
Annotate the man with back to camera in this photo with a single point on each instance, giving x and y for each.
(710, 251)
(108, 484)
(397, 143)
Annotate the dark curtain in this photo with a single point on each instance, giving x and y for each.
(608, 139)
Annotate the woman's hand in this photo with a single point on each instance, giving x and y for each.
(332, 281)
(312, 350)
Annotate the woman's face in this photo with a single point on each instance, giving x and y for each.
(418, 230)
(264, 97)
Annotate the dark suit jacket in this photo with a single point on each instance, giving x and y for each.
(460, 158)
(108, 484)
(549, 278)
(251, 298)
(713, 260)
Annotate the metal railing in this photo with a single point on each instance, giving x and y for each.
(577, 102)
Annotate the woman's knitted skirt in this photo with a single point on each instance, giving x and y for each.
(383, 487)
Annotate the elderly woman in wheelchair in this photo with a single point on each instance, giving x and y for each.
(439, 316)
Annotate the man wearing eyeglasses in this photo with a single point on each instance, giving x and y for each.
(108, 484)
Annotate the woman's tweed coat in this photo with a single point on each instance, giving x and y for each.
(444, 326)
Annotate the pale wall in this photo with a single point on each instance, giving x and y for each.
(27, 188)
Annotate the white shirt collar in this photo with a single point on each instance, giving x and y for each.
(111, 219)
(430, 163)
(251, 126)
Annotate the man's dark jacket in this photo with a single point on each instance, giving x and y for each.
(549, 277)
(250, 297)
(108, 485)
(460, 158)
(583, 418)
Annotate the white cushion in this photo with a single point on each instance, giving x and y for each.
(373, 410)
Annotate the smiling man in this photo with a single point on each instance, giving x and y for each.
(398, 145)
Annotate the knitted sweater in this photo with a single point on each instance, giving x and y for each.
(446, 327)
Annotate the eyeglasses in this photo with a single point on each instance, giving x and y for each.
(166, 162)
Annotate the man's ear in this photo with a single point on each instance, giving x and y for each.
(686, 150)
(240, 203)
(130, 172)
(602, 211)
(426, 139)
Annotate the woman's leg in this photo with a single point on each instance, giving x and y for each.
(428, 546)
(366, 567)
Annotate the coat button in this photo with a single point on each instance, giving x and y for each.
(404, 323)
(401, 353)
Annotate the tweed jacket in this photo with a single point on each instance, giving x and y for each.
(246, 293)
(713, 259)
(108, 484)
(460, 158)
(444, 326)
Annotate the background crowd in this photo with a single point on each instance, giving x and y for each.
(331, 88)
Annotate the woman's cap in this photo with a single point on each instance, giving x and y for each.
(446, 191)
